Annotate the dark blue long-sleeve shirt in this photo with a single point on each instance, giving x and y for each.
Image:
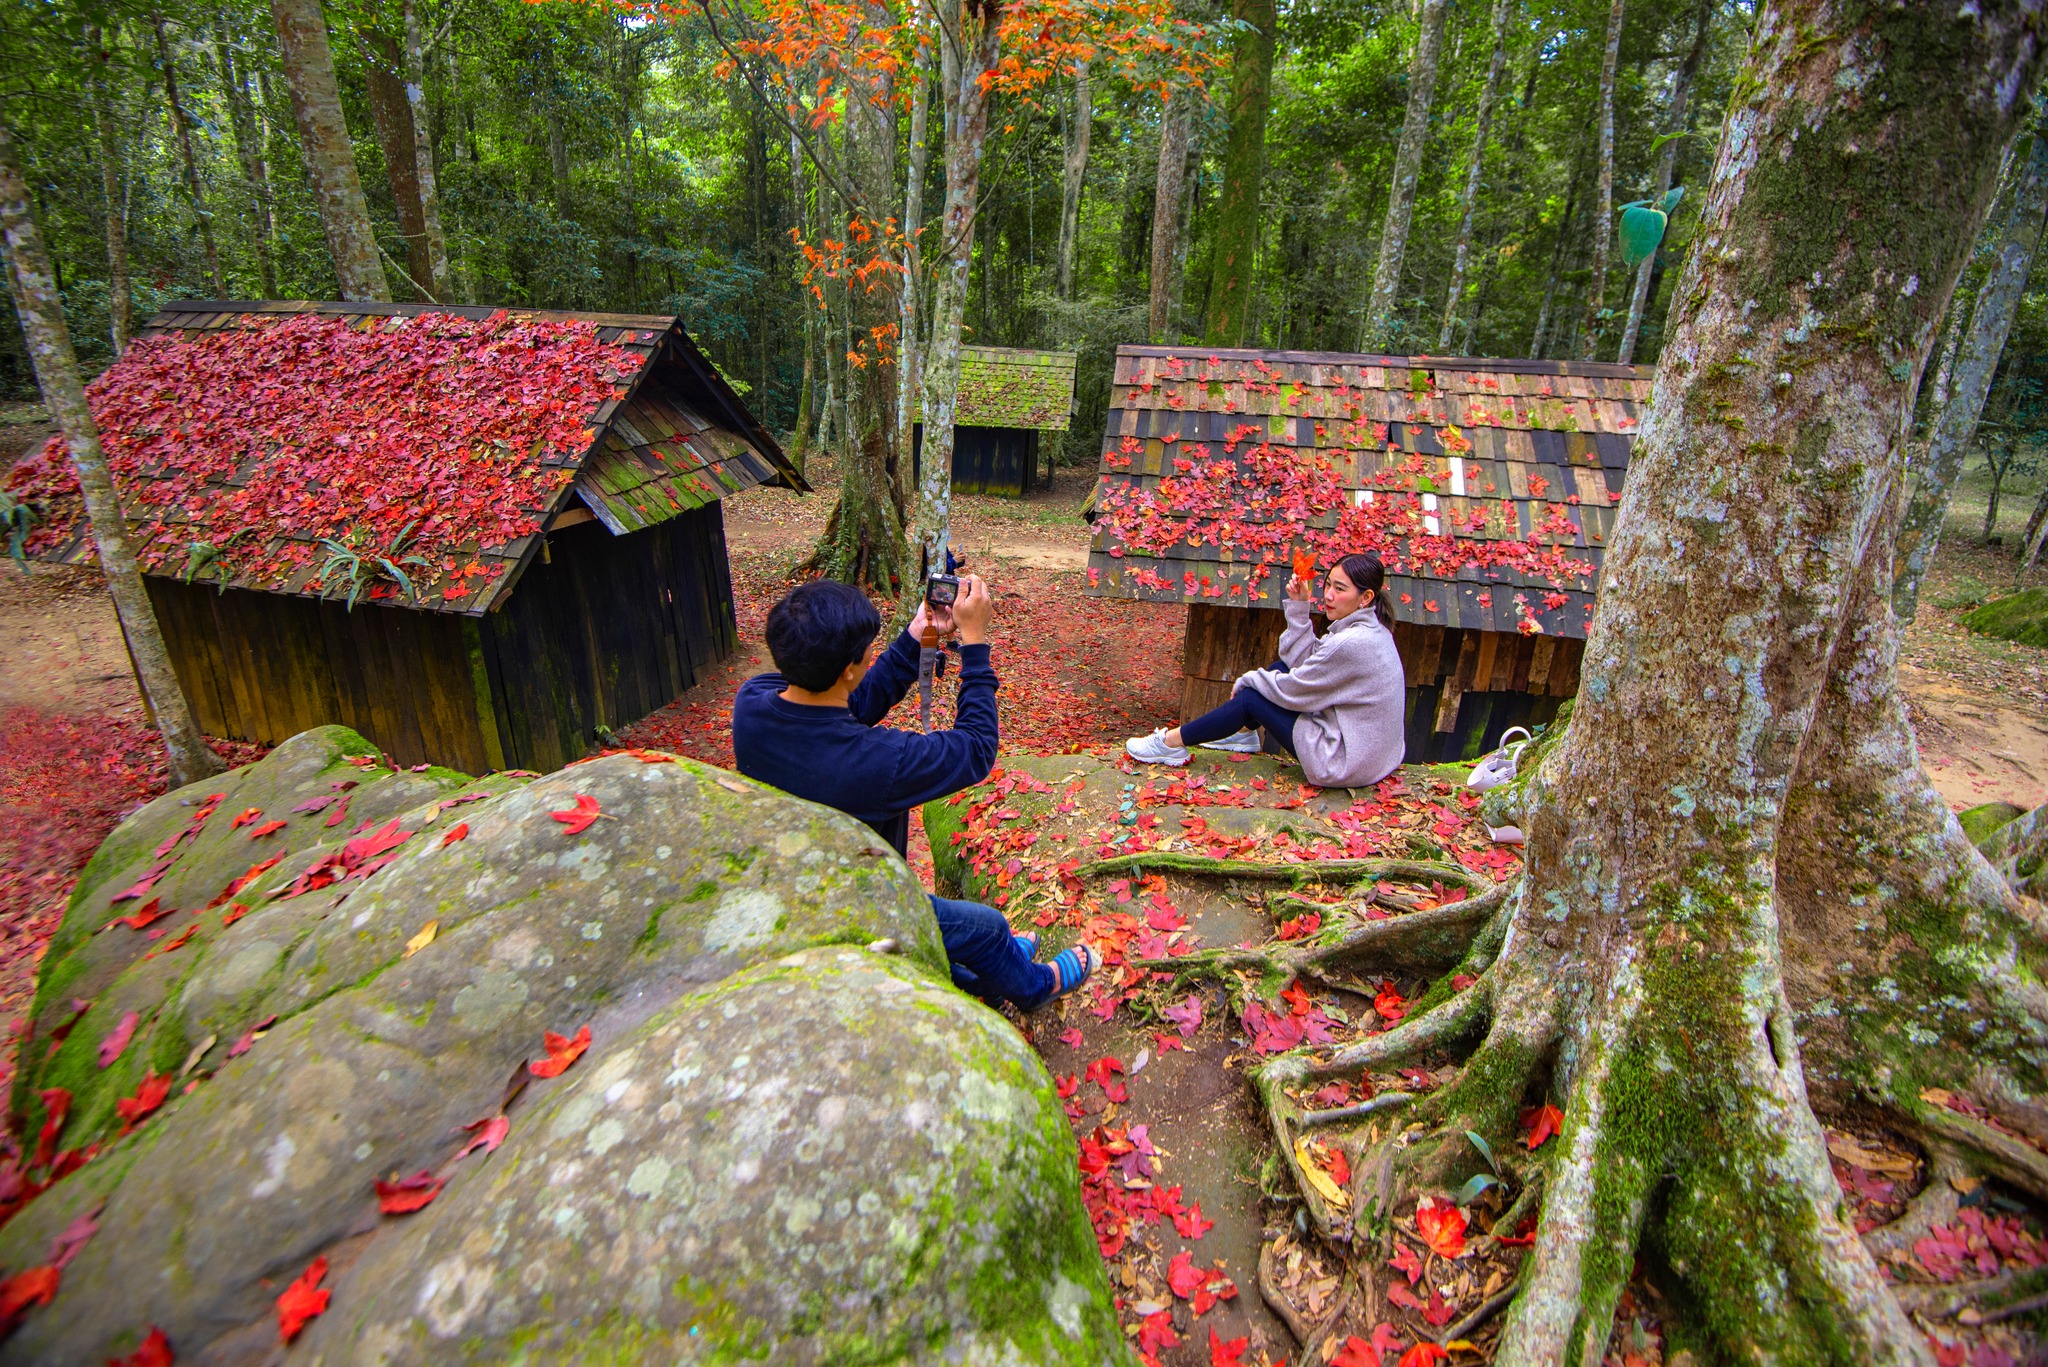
(839, 757)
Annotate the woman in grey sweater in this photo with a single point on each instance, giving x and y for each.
(1334, 702)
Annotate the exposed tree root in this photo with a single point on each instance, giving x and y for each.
(1487, 1309)
(1276, 1300)
(1311, 871)
(1434, 939)
(1993, 1152)
(1942, 1301)
(1934, 1204)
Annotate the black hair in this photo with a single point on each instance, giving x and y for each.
(1365, 572)
(818, 629)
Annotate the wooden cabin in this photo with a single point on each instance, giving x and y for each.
(1488, 487)
(547, 484)
(1008, 396)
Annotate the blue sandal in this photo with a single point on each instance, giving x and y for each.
(1072, 967)
(1028, 939)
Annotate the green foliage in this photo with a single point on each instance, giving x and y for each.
(16, 519)
(355, 564)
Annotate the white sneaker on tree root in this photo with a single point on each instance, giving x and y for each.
(1153, 749)
(1243, 743)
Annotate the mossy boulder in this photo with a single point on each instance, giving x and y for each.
(2019, 850)
(2021, 617)
(830, 1159)
(1981, 822)
(404, 1000)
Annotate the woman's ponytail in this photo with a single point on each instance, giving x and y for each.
(1364, 570)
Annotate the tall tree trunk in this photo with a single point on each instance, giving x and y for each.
(969, 46)
(120, 298)
(1073, 173)
(391, 113)
(330, 161)
(1603, 212)
(1461, 251)
(1558, 249)
(1234, 252)
(909, 343)
(1667, 167)
(807, 396)
(558, 158)
(183, 127)
(1176, 121)
(1956, 425)
(41, 310)
(1382, 329)
(437, 278)
(1742, 897)
(248, 152)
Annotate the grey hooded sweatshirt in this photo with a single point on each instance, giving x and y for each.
(1351, 692)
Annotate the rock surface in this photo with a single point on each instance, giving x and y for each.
(406, 996)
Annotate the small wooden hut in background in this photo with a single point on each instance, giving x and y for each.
(591, 592)
(1488, 487)
(1008, 396)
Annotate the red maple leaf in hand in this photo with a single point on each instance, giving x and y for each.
(576, 820)
(408, 1194)
(562, 1051)
(301, 1302)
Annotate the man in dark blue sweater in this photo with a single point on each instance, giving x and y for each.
(811, 729)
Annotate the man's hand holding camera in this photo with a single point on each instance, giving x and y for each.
(968, 613)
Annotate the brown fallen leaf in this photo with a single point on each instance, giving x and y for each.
(421, 940)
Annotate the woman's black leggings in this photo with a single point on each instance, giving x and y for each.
(1247, 709)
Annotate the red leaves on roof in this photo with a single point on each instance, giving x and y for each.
(262, 437)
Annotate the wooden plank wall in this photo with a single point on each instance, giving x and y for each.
(1464, 687)
(264, 667)
(603, 632)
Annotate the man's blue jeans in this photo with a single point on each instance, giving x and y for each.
(988, 962)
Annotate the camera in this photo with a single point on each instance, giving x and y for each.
(942, 589)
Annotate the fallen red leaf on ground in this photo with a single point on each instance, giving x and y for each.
(75, 1237)
(36, 1286)
(244, 817)
(562, 1051)
(133, 1110)
(456, 833)
(1424, 1354)
(154, 1352)
(151, 913)
(408, 1194)
(56, 1107)
(490, 1132)
(117, 1039)
(1226, 1352)
(241, 1046)
(576, 820)
(301, 1302)
(1441, 1225)
(266, 828)
(1541, 1122)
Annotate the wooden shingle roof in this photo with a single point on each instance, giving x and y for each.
(1012, 387)
(1487, 486)
(259, 430)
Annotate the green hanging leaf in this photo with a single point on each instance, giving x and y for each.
(1485, 1151)
(1671, 198)
(1642, 229)
(1479, 1182)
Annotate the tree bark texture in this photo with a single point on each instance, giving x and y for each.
(42, 318)
(1382, 329)
(1742, 898)
(249, 155)
(120, 298)
(1955, 427)
(1667, 168)
(437, 279)
(1073, 172)
(1603, 210)
(1461, 251)
(391, 113)
(1176, 121)
(909, 343)
(1239, 225)
(194, 193)
(969, 50)
(330, 160)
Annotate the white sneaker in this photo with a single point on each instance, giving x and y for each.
(1153, 749)
(1243, 743)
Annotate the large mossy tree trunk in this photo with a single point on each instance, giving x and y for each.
(1955, 426)
(1742, 898)
(41, 308)
(1382, 328)
(1239, 225)
(330, 157)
